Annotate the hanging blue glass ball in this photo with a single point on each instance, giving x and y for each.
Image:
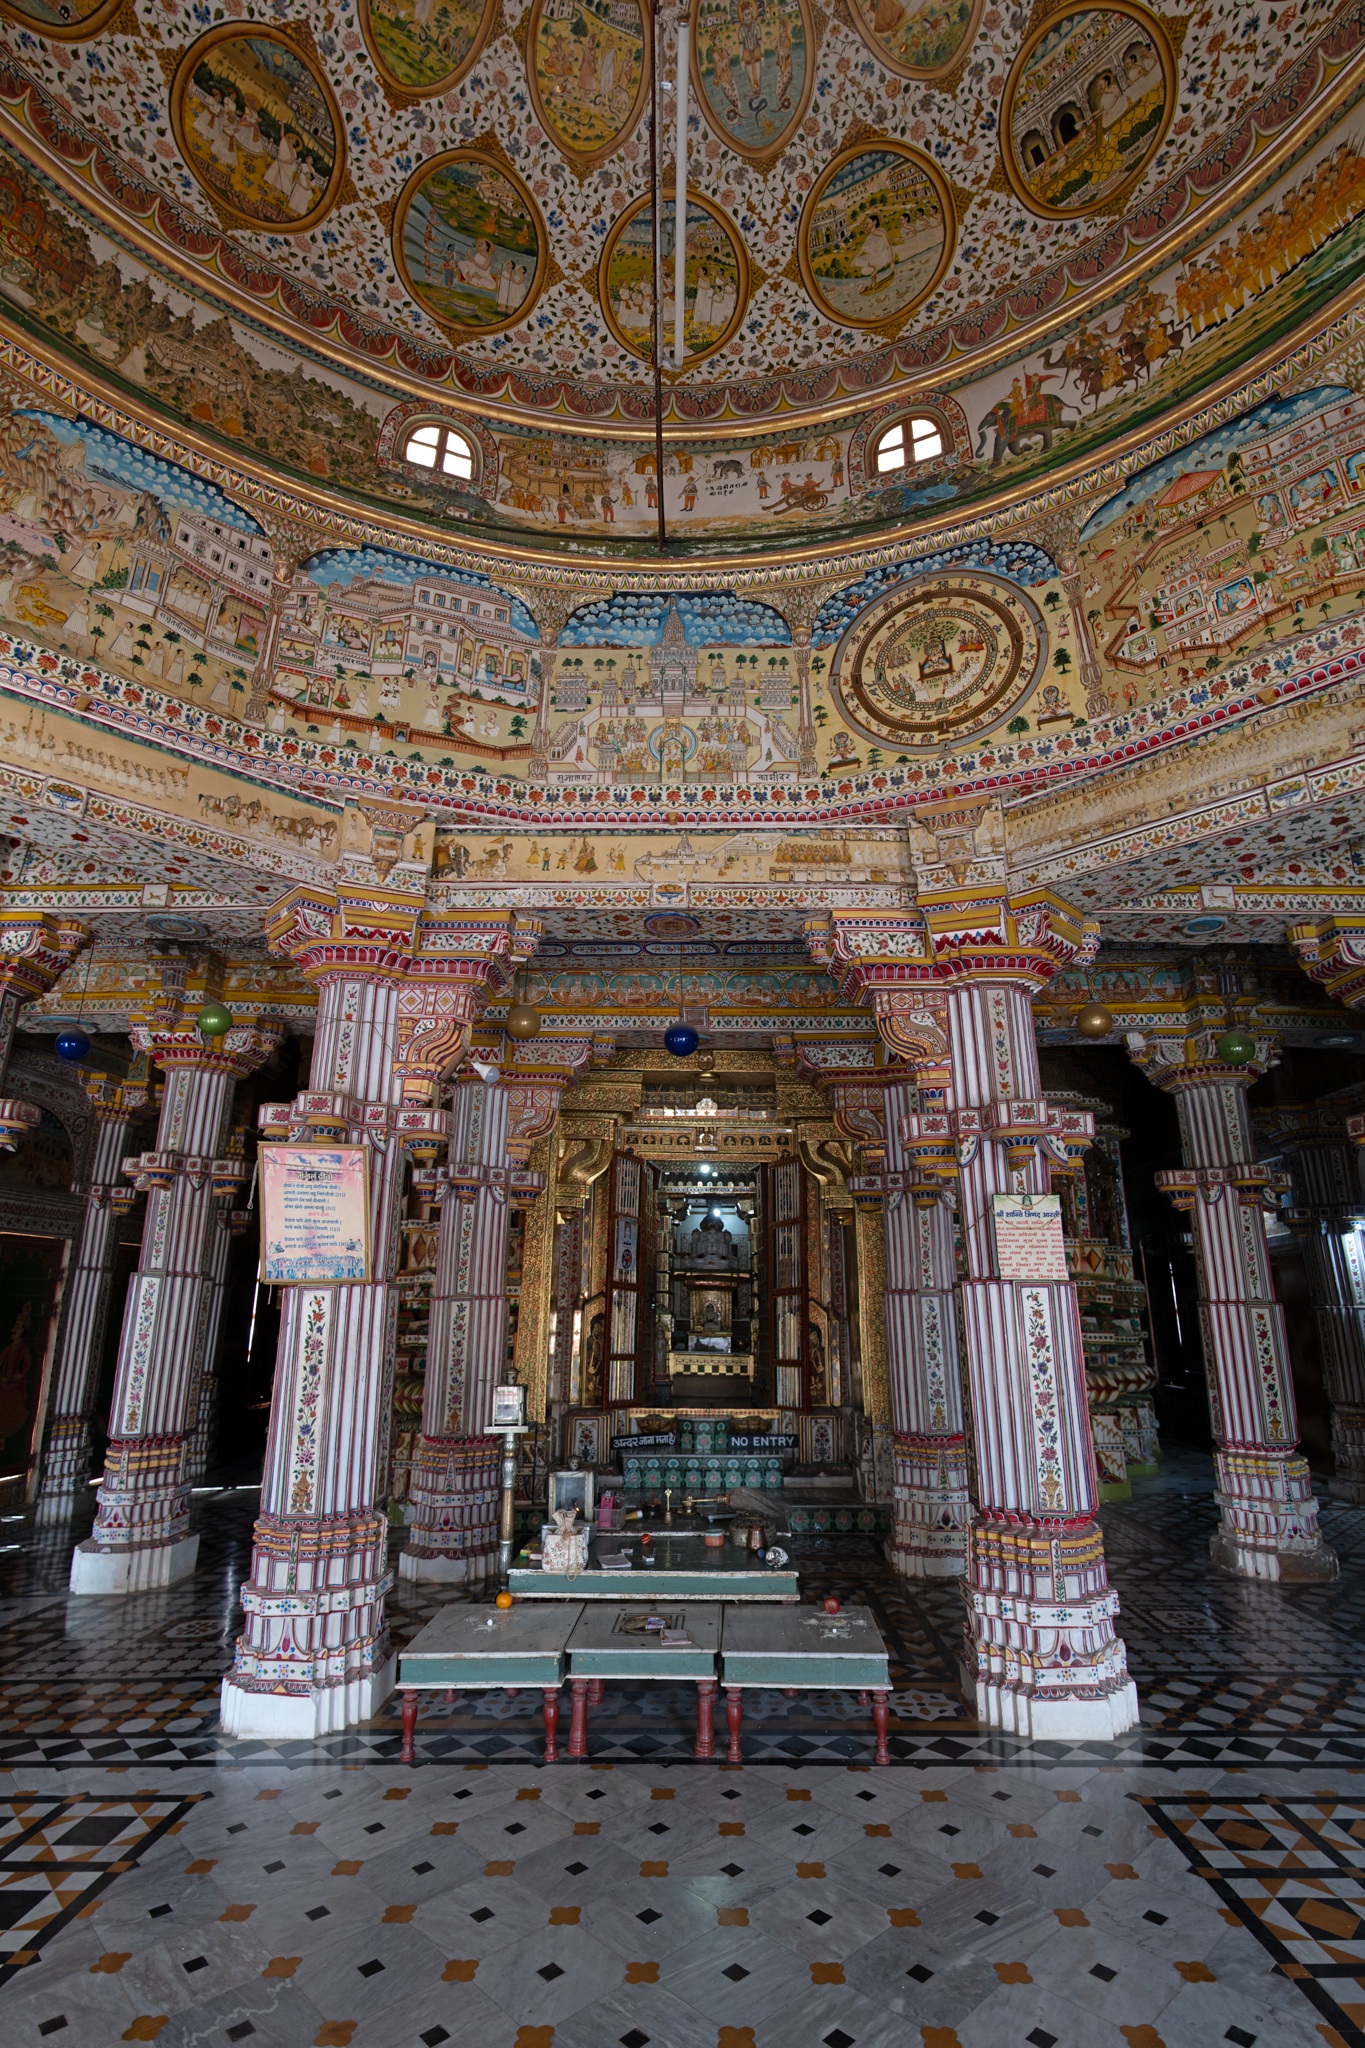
(680, 1040)
(71, 1044)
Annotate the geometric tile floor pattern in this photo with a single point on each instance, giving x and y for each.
(1200, 1881)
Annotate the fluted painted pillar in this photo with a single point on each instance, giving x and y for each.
(205, 1386)
(35, 950)
(1268, 1518)
(66, 1459)
(141, 1536)
(398, 987)
(1317, 1145)
(1041, 1656)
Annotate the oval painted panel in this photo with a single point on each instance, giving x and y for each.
(877, 234)
(753, 67)
(63, 21)
(917, 38)
(717, 277)
(421, 47)
(469, 243)
(1086, 107)
(258, 126)
(587, 65)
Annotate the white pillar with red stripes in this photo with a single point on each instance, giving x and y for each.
(141, 1535)
(1268, 1517)
(399, 983)
(66, 1459)
(455, 1485)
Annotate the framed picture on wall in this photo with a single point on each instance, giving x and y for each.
(584, 1439)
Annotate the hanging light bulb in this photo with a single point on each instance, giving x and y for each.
(1093, 1020)
(522, 1020)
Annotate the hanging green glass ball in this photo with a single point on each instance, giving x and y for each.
(213, 1020)
(1236, 1048)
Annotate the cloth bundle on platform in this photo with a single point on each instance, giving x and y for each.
(564, 1545)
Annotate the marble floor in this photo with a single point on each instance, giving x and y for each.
(1201, 1881)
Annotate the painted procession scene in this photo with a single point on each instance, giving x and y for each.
(1087, 108)
(257, 128)
(754, 69)
(470, 245)
(588, 61)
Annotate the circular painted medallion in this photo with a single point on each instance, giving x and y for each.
(917, 38)
(469, 242)
(256, 122)
(876, 235)
(941, 662)
(716, 277)
(753, 69)
(587, 68)
(420, 48)
(1086, 107)
(63, 21)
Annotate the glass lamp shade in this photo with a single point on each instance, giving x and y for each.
(71, 1044)
(1094, 1021)
(213, 1020)
(1236, 1048)
(522, 1021)
(680, 1040)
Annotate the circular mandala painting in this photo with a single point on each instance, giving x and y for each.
(1086, 107)
(257, 124)
(941, 662)
(469, 243)
(876, 235)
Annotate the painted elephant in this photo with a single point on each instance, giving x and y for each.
(1042, 417)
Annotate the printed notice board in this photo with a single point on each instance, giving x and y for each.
(315, 1215)
(1028, 1237)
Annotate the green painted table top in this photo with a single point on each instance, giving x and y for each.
(795, 1646)
(684, 1570)
(612, 1641)
(475, 1645)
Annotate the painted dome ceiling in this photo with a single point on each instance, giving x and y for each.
(296, 236)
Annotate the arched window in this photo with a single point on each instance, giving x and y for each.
(443, 448)
(905, 443)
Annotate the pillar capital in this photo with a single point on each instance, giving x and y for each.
(1331, 951)
(35, 951)
(1254, 1187)
(535, 1083)
(1177, 1062)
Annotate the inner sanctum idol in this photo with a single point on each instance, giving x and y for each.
(941, 662)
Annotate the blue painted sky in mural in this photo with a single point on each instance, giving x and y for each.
(132, 468)
(1020, 560)
(714, 618)
(1212, 450)
(383, 565)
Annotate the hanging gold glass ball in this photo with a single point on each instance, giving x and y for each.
(522, 1021)
(1092, 1020)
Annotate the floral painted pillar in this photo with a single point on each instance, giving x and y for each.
(399, 983)
(35, 951)
(455, 1482)
(1268, 1526)
(141, 1536)
(1041, 1655)
(66, 1460)
(1317, 1143)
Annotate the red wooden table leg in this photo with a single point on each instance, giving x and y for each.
(864, 1699)
(705, 1744)
(578, 1717)
(734, 1715)
(448, 1697)
(597, 1689)
(511, 1692)
(551, 1710)
(881, 1717)
(407, 1753)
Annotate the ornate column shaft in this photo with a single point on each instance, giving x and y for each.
(141, 1535)
(202, 1406)
(35, 951)
(1328, 1217)
(398, 987)
(1269, 1518)
(66, 1460)
(1041, 1658)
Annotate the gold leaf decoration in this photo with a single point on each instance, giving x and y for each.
(997, 181)
(519, 33)
(384, 211)
(821, 21)
(553, 273)
(758, 277)
(300, 32)
(791, 271)
(862, 131)
(169, 60)
(346, 192)
(1176, 27)
(962, 199)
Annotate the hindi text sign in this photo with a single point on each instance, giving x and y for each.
(1028, 1237)
(315, 1215)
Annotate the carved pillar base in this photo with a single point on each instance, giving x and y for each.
(142, 1536)
(66, 1469)
(1041, 1625)
(455, 1492)
(932, 1506)
(1348, 1447)
(1269, 1519)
